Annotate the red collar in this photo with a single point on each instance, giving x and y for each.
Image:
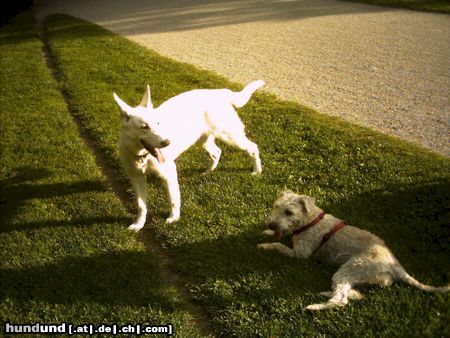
(310, 225)
(330, 233)
(327, 236)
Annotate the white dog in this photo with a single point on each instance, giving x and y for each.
(362, 256)
(152, 138)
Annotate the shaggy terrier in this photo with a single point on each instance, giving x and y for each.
(363, 257)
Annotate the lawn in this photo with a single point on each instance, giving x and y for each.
(436, 6)
(393, 188)
(65, 255)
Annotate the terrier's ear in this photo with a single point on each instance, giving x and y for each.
(125, 109)
(306, 202)
(147, 99)
(286, 192)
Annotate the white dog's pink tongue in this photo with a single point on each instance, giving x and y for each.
(159, 156)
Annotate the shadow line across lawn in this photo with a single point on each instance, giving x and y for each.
(23, 185)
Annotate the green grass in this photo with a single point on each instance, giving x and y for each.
(437, 6)
(393, 188)
(65, 255)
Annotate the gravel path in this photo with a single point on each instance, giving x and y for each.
(384, 68)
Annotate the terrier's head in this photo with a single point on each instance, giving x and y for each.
(291, 211)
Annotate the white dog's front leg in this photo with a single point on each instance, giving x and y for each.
(139, 184)
(283, 249)
(168, 173)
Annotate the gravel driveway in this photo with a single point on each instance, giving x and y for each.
(383, 68)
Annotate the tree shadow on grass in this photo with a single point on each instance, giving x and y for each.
(113, 278)
(22, 186)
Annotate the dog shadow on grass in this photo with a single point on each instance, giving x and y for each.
(24, 185)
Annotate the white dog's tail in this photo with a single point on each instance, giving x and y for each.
(404, 276)
(239, 99)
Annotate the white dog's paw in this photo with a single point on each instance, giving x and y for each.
(172, 219)
(135, 227)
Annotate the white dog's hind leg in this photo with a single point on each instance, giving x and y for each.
(168, 172)
(226, 126)
(242, 142)
(214, 152)
(138, 182)
(253, 151)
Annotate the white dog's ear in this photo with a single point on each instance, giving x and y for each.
(147, 99)
(125, 109)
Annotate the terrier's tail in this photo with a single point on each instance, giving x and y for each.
(404, 276)
(239, 99)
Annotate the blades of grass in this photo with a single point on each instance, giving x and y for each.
(65, 255)
(393, 188)
(437, 6)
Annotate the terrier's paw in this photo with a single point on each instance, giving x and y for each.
(328, 294)
(316, 307)
(268, 232)
(323, 306)
(355, 295)
(264, 246)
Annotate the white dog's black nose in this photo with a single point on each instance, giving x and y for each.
(164, 143)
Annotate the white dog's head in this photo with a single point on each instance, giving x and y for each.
(291, 211)
(142, 125)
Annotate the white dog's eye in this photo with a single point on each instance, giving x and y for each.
(145, 126)
(288, 212)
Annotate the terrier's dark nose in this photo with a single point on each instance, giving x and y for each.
(272, 226)
(165, 143)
